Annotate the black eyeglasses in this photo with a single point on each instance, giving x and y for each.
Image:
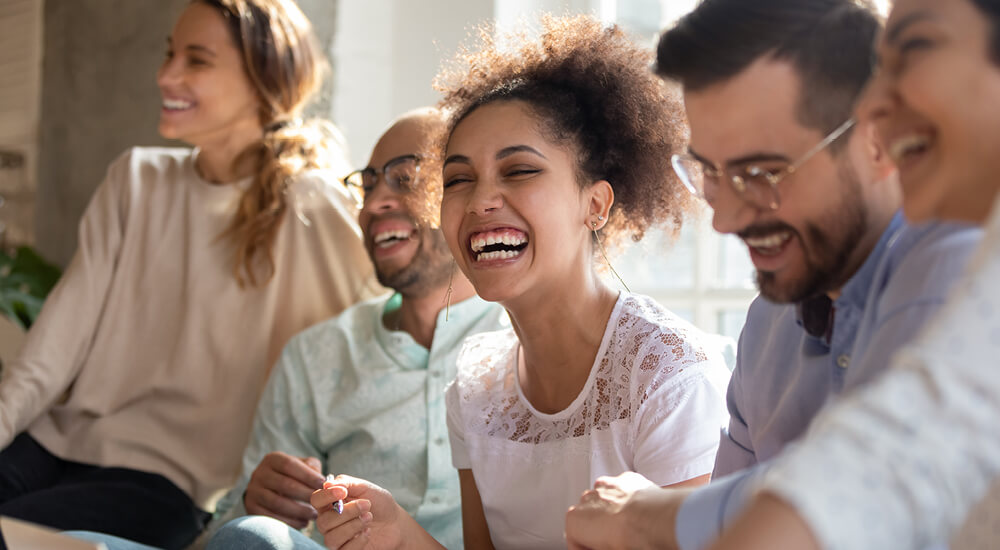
(399, 174)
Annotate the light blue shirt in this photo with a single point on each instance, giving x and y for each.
(369, 402)
(785, 374)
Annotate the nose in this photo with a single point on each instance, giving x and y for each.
(730, 212)
(169, 72)
(486, 197)
(381, 199)
(877, 99)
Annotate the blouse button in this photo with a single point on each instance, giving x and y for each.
(843, 361)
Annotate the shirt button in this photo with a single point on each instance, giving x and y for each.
(435, 500)
(435, 373)
(439, 441)
(844, 361)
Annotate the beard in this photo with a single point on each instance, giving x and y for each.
(430, 268)
(827, 244)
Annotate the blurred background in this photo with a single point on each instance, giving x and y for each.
(77, 87)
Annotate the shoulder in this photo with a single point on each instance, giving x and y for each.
(313, 190)
(356, 323)
(153, 160)
(137, 170)
(643, 322)
(659, 358)
(924, 261)
(659, 347)
(484, 359)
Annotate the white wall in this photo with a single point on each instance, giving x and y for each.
(385, 55)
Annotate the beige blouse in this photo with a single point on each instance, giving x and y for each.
(147, 354)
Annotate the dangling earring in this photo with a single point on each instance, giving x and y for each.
(447, 296)
(604, 254)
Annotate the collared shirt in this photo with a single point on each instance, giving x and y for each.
(918, 448)
(369, 402)
(784, 374)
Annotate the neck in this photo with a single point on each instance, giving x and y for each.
(220, 160)
(877, 224)
(417, 315)
(560, 339)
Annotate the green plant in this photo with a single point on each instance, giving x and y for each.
(25, 280)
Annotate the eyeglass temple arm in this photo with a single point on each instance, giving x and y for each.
(823, 144)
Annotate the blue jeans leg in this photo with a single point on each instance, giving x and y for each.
(260, 533)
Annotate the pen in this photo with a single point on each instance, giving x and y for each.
(339, 505)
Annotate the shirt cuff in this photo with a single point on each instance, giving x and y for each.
(708, 510)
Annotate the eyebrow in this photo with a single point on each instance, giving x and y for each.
(502, 154)
(394, 159)
(893, 32)
(194, 47)
(456, 158)
(514, 149)
(745, 159)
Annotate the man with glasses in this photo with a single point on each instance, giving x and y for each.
(769, 87)
(363, 393)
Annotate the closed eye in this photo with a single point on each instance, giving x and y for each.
(455, 180)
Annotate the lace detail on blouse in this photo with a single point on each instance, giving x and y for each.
(645, 347)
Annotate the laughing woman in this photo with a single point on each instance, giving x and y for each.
(128, 410)
(551, 152)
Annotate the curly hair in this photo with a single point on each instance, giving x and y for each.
(590, 86)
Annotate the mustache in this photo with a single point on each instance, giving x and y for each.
(765, 229)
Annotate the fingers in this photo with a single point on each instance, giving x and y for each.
(313, 463)
(352, 533)
(323, 499)
(298, 477)
(339, 529)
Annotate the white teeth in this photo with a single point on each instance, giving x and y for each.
(769, 241)
(386, 238)
(907, 145)
(479, 242)
(497, 255)
(176, 104)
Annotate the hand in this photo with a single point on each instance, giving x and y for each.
(371, 518)
(280, 488)
(624, 512)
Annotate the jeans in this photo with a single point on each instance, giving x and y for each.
(39, 487)
(259, 533)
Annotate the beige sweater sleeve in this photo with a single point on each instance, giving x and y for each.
(60, 338)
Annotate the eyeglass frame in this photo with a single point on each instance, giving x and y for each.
(773, 178)
(396, 188)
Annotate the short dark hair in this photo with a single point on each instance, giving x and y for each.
(828, 42)
(991, 9)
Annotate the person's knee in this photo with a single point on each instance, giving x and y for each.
(259, 533)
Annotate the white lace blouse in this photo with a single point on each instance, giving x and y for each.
(654, 404)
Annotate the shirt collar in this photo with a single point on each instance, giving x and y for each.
(815, 314)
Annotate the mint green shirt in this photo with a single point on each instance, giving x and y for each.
(369, 402)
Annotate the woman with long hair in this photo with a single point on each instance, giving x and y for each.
(554, 150)
(129, 407)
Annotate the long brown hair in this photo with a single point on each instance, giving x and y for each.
(283, 61)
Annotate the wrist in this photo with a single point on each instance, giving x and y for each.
(654, 518)
(411, 535)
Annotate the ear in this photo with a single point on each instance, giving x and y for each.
(601, 197)
(882, 165)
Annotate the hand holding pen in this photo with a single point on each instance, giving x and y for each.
(367, 518)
